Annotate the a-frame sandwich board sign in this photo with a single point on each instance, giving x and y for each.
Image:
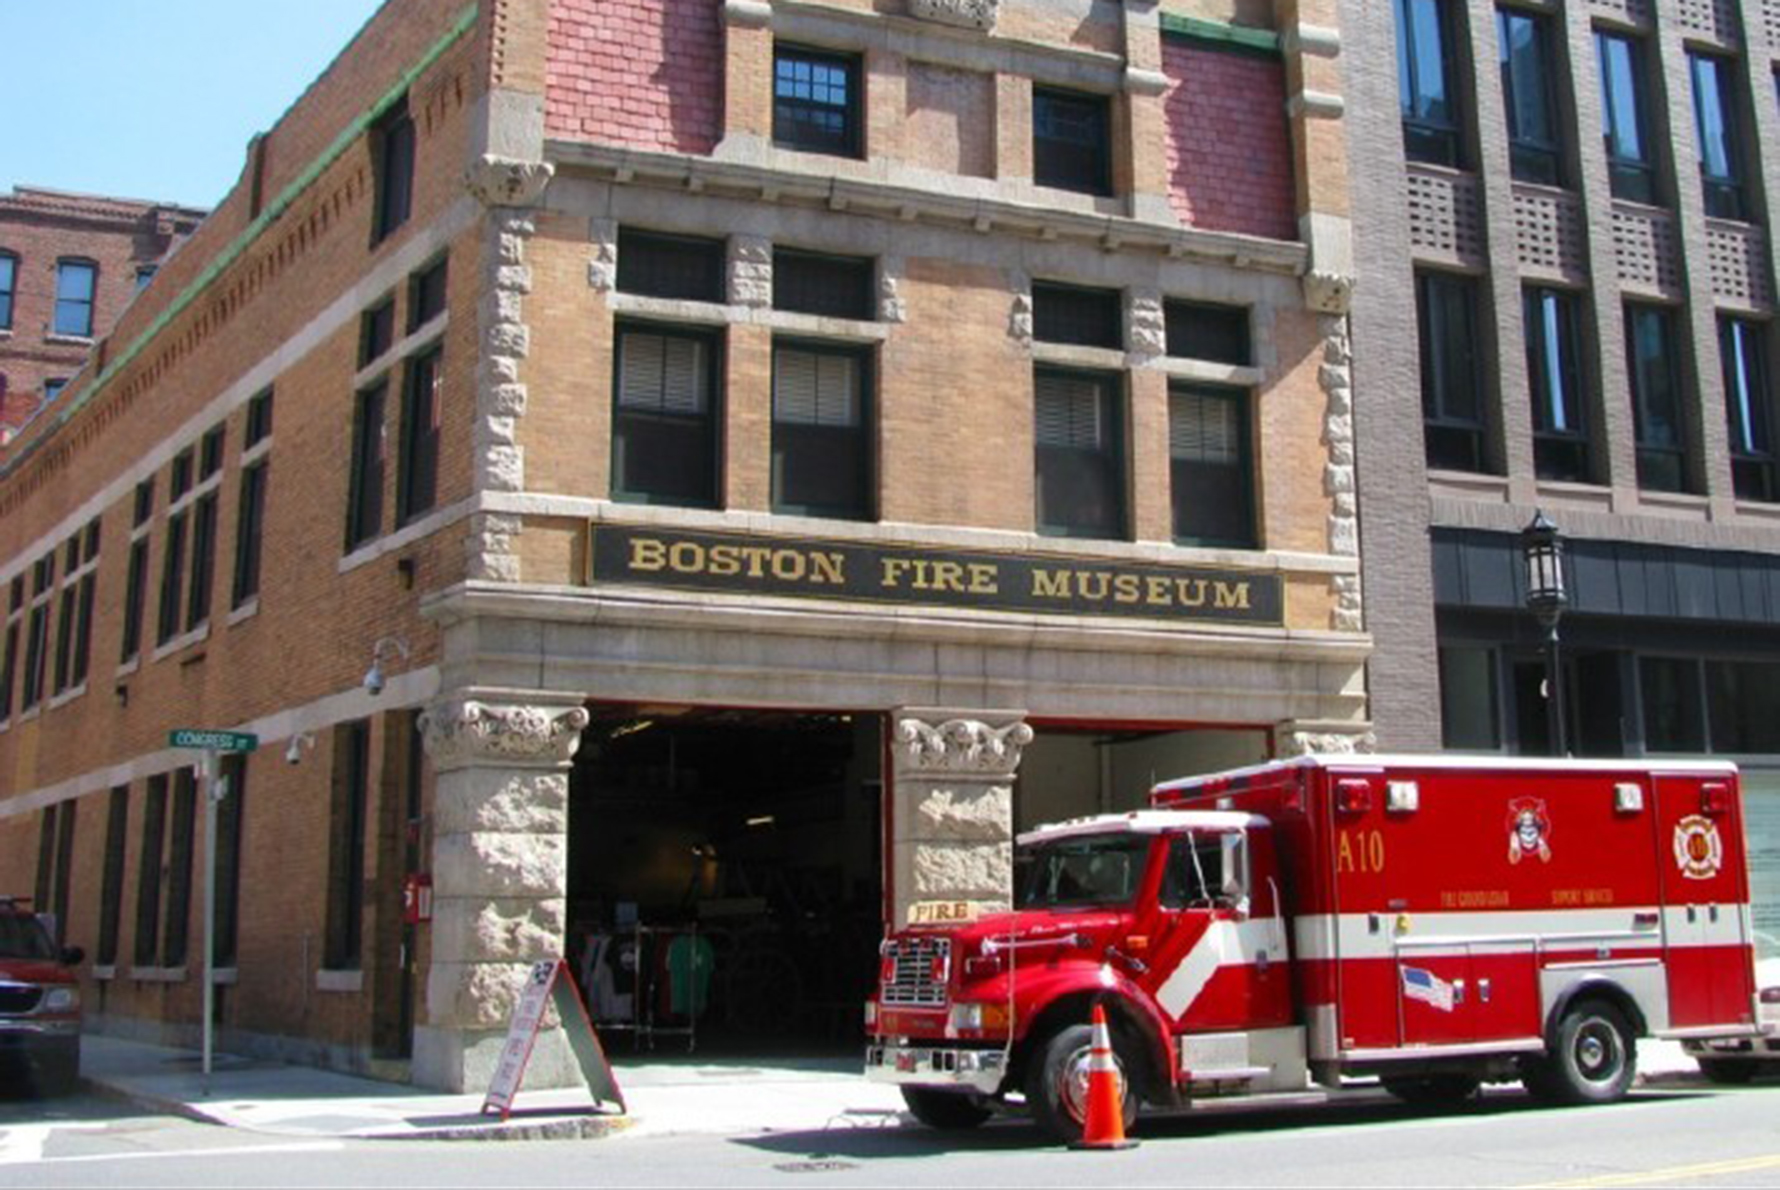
(549, 982)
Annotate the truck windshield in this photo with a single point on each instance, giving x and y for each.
(22, 937)
(1081, 870)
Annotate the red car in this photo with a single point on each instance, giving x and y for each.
(39, 1001)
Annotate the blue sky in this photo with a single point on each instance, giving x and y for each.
(154, 99)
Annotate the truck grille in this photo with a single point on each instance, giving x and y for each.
(16, 999)
(915, 971)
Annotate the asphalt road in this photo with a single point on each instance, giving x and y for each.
(1717, 1137)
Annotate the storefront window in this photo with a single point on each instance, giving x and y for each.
(1468, 701)
(1672, 718)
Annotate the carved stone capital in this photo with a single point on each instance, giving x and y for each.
(505, 182)
(960, 746)
(966, 14)
(1328, 293)
(463, 731)
(1303, 739)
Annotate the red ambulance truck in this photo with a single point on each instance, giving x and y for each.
(1436, 923)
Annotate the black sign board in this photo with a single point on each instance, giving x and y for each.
(902, 574)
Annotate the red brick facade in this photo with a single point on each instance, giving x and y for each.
(1229, 152)
(636, 72)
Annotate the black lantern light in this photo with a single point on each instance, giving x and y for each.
(1542, 549)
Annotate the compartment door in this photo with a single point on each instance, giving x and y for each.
(1699, 853)
(1433, 993)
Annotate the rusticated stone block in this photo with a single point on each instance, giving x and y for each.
(500, 865)
(502, 801)
(478, 930)
(966, 872)
(970, 813)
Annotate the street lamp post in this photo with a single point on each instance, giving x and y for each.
(1542, 549)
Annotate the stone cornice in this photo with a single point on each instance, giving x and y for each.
(959, 746)
(905, 203)
(467, 731)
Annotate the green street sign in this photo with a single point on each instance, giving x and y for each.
(212, 741)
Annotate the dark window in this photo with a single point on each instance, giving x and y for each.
(816, 101)
(36, 655)
(822, 448)
(172, 579)
(176, 933)
(1424, 82)
(1211, 475)
(1080, 458)
(1071, 141)
(1194, 877)
(1077, 316)
(228, 860)
(181, 480)
(147, 942)
(1743, 706)
(9, 655)
(1721, 166)
(111, 886)
(837, 286)
(1554, 377)
(210, 453)
(1747, 405)
(91, 533)
(376, 332)
(58, 905)
(392, 149)
(250, 517)
(53, 388)
(76, 283)
(664, 434)
(197, 609)
(343, 943)
(1625, 120)
(1528, 79)
(82, 644)
(144, 505)
(364, 500)
(144, 274)
(1197, 330)
(46, 860)
(1452, 404)
(1674, 704)
(259, 420)
(1469, 714)
(9, 280)
(135, 596)
(418, 477)
(426, 295)
(667, 266)
(64, 663)
(1656, 398)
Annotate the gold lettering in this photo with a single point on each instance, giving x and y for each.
(983, 576)
(1098, 591)
(1156, 591)
(830, 569)
(1127, 588)
(891, 574)
(1344, 857)
(646, 553)
(686, 557)
(757, 556)
(1231, 595)
(788, 565)
(1191, 591)
(948, 576)
(724, 560)
(1050, 584)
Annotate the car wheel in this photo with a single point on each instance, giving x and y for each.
(1591, 1058)
(948, 1111)
(1057, 1082)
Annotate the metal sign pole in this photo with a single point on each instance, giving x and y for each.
(216, 787)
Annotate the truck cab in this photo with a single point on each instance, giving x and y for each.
(39, 1002)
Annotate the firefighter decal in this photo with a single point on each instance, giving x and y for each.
(1529, 830)
(1699, 852)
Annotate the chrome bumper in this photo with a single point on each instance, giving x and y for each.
(923, 1066)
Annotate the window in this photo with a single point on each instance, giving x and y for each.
(392, 150)
(364, 499)
(76, 282)
(204, 517)
(46, 860)
(144, 274)
(1210, 473)
(417, 477)
(259, 420)
(228, 860)
(1197, 330)
(1469, 715)
(1424, 82)
(136, 581)
(74, 625)
(43, 581)
(1673, 703)
(172, 577)
(9, 280)
(55, 864)
(426, 295)
(52, 388)
(9, 646)
(816, 101)
(835, 286)
(1625, 118)
(1715, 121)
(664, 431)
(1528, 76)
(250, 507)
(1080, 317)
(1071, 141)
(1554, 377)
(342, 945)
(1452, 399)
(1194, 877)
(821, 451)
(111, 885)
(148, 873)
(1656, 398)
(1743, 706)
(377, 332)
(176, 933)
(1080, 463)
(670, 266)
(1747, 401)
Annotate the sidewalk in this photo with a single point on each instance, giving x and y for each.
(664, 1097)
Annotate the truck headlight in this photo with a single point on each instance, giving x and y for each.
(871, 1014)
(61, 1000)
(976, 1018)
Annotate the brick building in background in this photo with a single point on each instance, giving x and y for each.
(69, 264)
(766, 452)
(1567, 253)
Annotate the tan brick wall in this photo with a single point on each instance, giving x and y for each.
(948, 120)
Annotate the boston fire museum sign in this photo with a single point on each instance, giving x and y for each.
(902, 574)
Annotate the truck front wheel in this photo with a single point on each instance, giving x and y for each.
(1592, 1059)
(1057, 1082)
(949, 1111)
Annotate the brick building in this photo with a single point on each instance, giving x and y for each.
(764, 453)
(69, 264)
(1567, 253)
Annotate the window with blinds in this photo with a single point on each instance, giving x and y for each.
(822, 451)
(815, 388)
(1079, 456)
(1069, 411)
(664, 424)
(1210, 474)
(662, 373)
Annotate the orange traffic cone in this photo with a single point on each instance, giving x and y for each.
(1104, 1126)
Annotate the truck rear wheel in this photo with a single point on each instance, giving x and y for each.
(949, 1111)
(1592, 1059)
(1057, 1082)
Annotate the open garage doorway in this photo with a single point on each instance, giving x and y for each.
(725, 877)
(1074, 769)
